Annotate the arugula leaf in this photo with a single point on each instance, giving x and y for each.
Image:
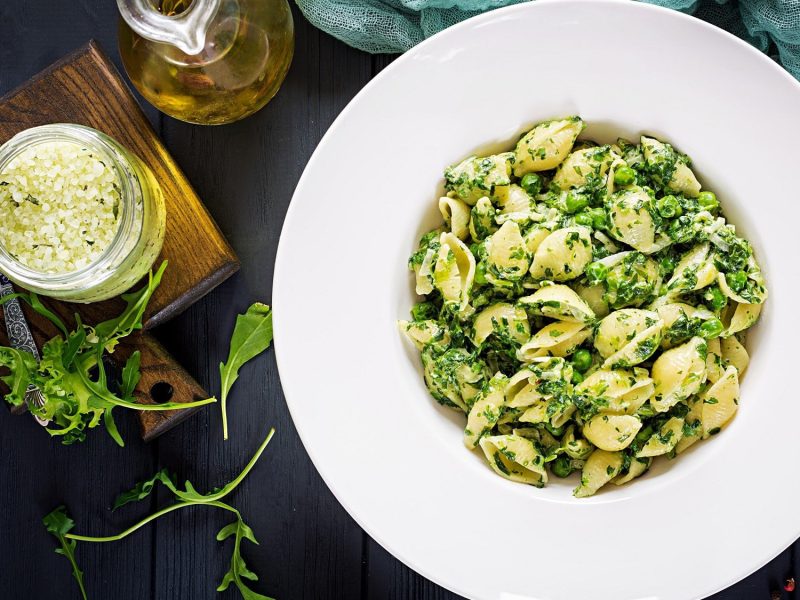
(252, 335)
(142, 489)
(110, 331)
(59, 524)
(75, 400)
(131, 375)
(22, 364)
(238, 569)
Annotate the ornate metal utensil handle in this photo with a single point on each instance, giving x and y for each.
(21, 338)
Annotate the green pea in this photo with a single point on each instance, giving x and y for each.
(556, 431)
(668, 207)
(584, 219)
(596, 272)
(562, 466)
(576, 378)
(598, 218)
(711, 328)
(624, 176)
(716, 298)
(480, 273)
(737, 280)
(708, 200)
(575, 202)
(531, 183)
(582, 360)
(667, 265)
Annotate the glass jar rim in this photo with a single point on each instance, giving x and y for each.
(130, 192)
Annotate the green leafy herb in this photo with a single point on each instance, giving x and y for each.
(71, 375)
(60, 524)
(252, 335)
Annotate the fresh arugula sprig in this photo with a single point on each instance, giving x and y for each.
(252, 335)
(60, 524)
(71, 374)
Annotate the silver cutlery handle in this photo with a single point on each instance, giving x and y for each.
(21, 338)
(19, 334)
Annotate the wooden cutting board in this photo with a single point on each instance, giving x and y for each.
(86, 88)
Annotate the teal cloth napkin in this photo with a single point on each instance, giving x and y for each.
(388, 26)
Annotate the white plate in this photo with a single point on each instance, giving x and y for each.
(394, 458)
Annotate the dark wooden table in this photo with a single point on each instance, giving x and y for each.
(310, 547)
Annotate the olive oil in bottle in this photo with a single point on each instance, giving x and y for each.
(236, 66)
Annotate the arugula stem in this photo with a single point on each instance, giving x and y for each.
(146, 520)
(164, 406)
(210, 498)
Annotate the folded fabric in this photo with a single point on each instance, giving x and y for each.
(390, 26)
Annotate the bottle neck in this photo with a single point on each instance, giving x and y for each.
(186, 30)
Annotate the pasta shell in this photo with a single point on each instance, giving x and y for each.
(563, 255)
(600, 468)
(744, 317)
(507, 256)
(582, 166)
(557, 302)
(485, 412)
(631, 223)
(612, 432)
(516, 458)
(637, 468)
(678, 373)
(456, 216)
(720, 402)
(454, 271)
(664, 440)
(546, 145)
(504, 318)
(735, 353)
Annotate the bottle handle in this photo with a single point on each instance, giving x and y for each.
(186, 31)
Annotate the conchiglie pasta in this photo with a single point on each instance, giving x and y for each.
(557, 302)
(555, 339)
(612, 432)
(507, 256)
(628, 337)
(631, 223)
(720, 402)
(546, 145)
(678, 373)
(456, 216)
(422, 333)
(637, 468)
(695, 271)
(669, 168)
(744, 317)
(485, 411)
(473, 178)
(664, 440)
(504, 319)
(515, 458)
(583, 166)
(562, 255)
(454, 271)
(735, 353)
(600, 468)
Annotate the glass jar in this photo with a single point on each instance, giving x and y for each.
(140, 217)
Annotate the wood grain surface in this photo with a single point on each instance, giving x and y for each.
(310, 547)
(84, 87)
